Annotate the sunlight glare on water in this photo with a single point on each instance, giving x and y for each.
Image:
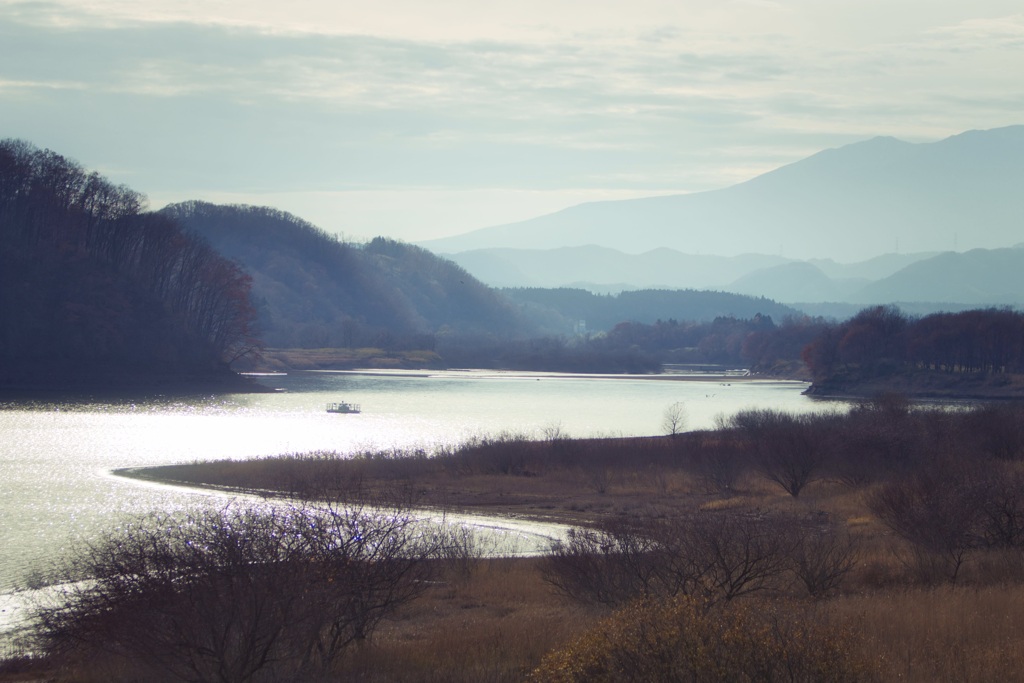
(56, 456)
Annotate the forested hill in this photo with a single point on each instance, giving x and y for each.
(96, 292)
(315, 291)
(602, 312)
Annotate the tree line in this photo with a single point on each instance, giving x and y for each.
(882, 340)
(879, 341)
(92, 283)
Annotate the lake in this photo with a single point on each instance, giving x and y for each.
(56, 455)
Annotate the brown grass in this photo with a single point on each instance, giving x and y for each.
(494, 627)
(942, 634)
(497, 624)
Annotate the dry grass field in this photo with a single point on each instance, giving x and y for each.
(907, 612)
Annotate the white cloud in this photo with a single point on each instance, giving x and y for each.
(264, 98)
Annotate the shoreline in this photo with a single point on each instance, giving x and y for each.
(578, 496)
(135, 386)
(483, 373)
(543, 527)
(539, 514)
(930, 387)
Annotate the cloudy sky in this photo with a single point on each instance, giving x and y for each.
(419, 119)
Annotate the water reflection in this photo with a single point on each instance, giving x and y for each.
(56, 455)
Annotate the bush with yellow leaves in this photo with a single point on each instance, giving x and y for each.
(683, 639)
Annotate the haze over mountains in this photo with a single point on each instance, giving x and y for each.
(839, 226)
(852, 203)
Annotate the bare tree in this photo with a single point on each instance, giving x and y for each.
(717, 556)
(610, 565)
(1002, 507)
(231, 594)
(822, 556)
(788, 449)
(717, 461)
(939, 511)
(733, 554)
(674, 420)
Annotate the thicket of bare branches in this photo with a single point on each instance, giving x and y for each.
(241, 593)
(950, 509)
(788, 449)
(716, 556)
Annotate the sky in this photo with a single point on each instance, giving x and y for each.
(418, 120)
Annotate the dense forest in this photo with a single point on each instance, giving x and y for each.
(881, 343)
(93, 289)
(313, 290)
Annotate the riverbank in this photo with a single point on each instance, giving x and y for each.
(560, 481)
(899, 612)
(925, 385)
(291, 360)
(92, 383)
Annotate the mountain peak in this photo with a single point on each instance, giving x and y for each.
(849, 203)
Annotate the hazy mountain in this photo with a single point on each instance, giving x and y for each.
(947, 281)
(851, 203)
(602, 270)
(602, 267)
(977, 277)
(798, 281)
(872, 269)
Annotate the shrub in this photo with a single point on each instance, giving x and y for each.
(717, 555)
(938, 511)
(610, 565)
(788, 449)
(948, 510)
(683, 639)
(717, 462)
(822, 556)
(240, 593)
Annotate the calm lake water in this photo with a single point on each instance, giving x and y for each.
(56, 456)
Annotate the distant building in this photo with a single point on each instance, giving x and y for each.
(580, 328)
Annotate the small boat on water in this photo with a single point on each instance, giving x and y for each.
(343, 407)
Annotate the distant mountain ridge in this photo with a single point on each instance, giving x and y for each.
(601, 269)
(858, 201)
(980, 277)
(949, 280)
(923, 282)
(565, 266)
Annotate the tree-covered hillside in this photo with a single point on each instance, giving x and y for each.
(315, 291)
(95, 290)
(603, 312)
